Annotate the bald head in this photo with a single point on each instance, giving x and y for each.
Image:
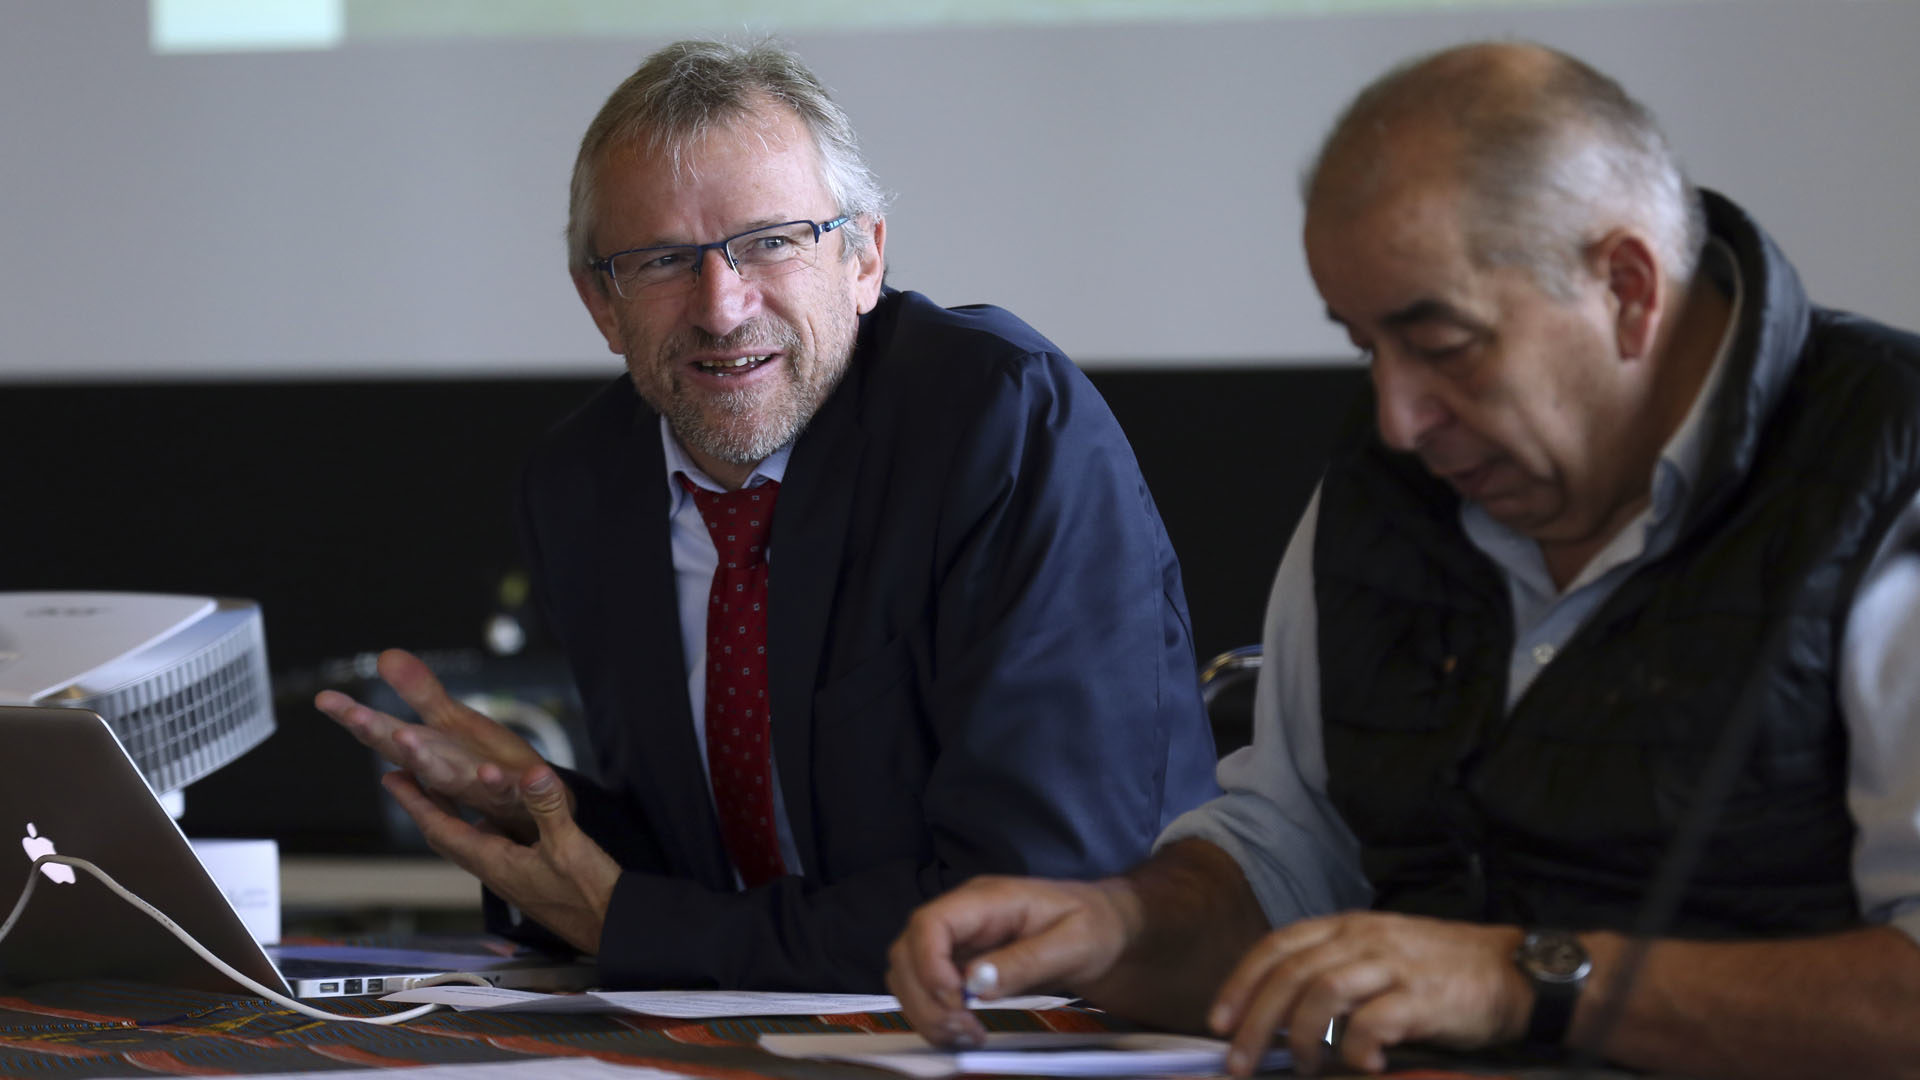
(1546, 154)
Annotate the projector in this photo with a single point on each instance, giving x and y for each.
(181, 680)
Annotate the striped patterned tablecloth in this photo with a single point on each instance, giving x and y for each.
(103, 1028)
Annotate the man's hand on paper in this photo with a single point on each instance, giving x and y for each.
(457, 753)
(1395, 978)
(1010, 935)
(563, 879)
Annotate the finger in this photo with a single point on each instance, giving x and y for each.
(456, 840)
(923, 954)
(1386, 1020)
(374, 729)
(423, 692)
(1065, 950)
(1265, 1015)
(982, 914)
(1255, 968)
(1058, 932)
(415, 682)
(1335, 992)
(439, 763)
(1021, 931)
(496, 794)
(1274, 1004)
(975, 916)
(923, 976)
(568, 851)
(440, 711)
(544, 797)
(938, 1023)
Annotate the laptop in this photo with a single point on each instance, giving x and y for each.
(68, 786)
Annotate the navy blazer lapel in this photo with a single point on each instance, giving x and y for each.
(809, 532)
(648, 680)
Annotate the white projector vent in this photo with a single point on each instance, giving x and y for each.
(182, 680)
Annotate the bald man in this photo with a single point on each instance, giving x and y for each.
(1621, 502)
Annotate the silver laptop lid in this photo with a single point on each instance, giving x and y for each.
(68, 783)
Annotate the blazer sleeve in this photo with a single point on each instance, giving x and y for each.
(1053, 674)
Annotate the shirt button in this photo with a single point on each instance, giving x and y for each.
(1543, 654)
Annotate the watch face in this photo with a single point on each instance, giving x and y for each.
(1560, 958)
(1555, 956)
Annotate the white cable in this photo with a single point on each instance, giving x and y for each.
(33, 879)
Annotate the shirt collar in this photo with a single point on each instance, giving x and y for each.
(679, 463)
(1678, 472)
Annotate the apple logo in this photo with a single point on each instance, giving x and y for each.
(37, 846)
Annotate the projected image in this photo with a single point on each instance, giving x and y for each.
(186, 26)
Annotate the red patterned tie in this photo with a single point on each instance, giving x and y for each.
(739, 735)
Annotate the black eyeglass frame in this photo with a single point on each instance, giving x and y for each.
(604, 265)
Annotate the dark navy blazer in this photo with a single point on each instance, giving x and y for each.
(980, 654)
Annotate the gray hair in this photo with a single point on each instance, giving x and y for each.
(1551, 153)
(690, 88)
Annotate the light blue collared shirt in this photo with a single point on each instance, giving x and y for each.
(1277, 822)
(1544, 615)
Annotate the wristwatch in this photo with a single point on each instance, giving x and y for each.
(1556, 964)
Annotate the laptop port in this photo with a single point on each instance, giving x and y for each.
(329, 987)
(353, 986)
(373, 986)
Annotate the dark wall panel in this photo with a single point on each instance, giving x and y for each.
(368, 514)
(1232, 456)
(362, 515)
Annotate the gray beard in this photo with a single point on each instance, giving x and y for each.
(738, 442)
(725, 431)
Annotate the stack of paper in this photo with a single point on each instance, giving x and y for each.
(681, 1004)
(1045, 1053)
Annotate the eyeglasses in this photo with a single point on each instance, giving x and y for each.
(767, 252)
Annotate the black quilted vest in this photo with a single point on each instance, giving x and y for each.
(1558, 812)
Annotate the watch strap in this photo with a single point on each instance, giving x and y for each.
(1552, 1013)
(1556, 965)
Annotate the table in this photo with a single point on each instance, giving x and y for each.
(113, 1028)
(101, 1028)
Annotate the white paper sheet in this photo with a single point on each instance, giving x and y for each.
(1024, 1053)
(575, 1068)
(496, 999)
(682, 1004)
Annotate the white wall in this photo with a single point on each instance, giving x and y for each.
(396, 208)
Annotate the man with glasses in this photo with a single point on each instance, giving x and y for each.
(864, 596)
